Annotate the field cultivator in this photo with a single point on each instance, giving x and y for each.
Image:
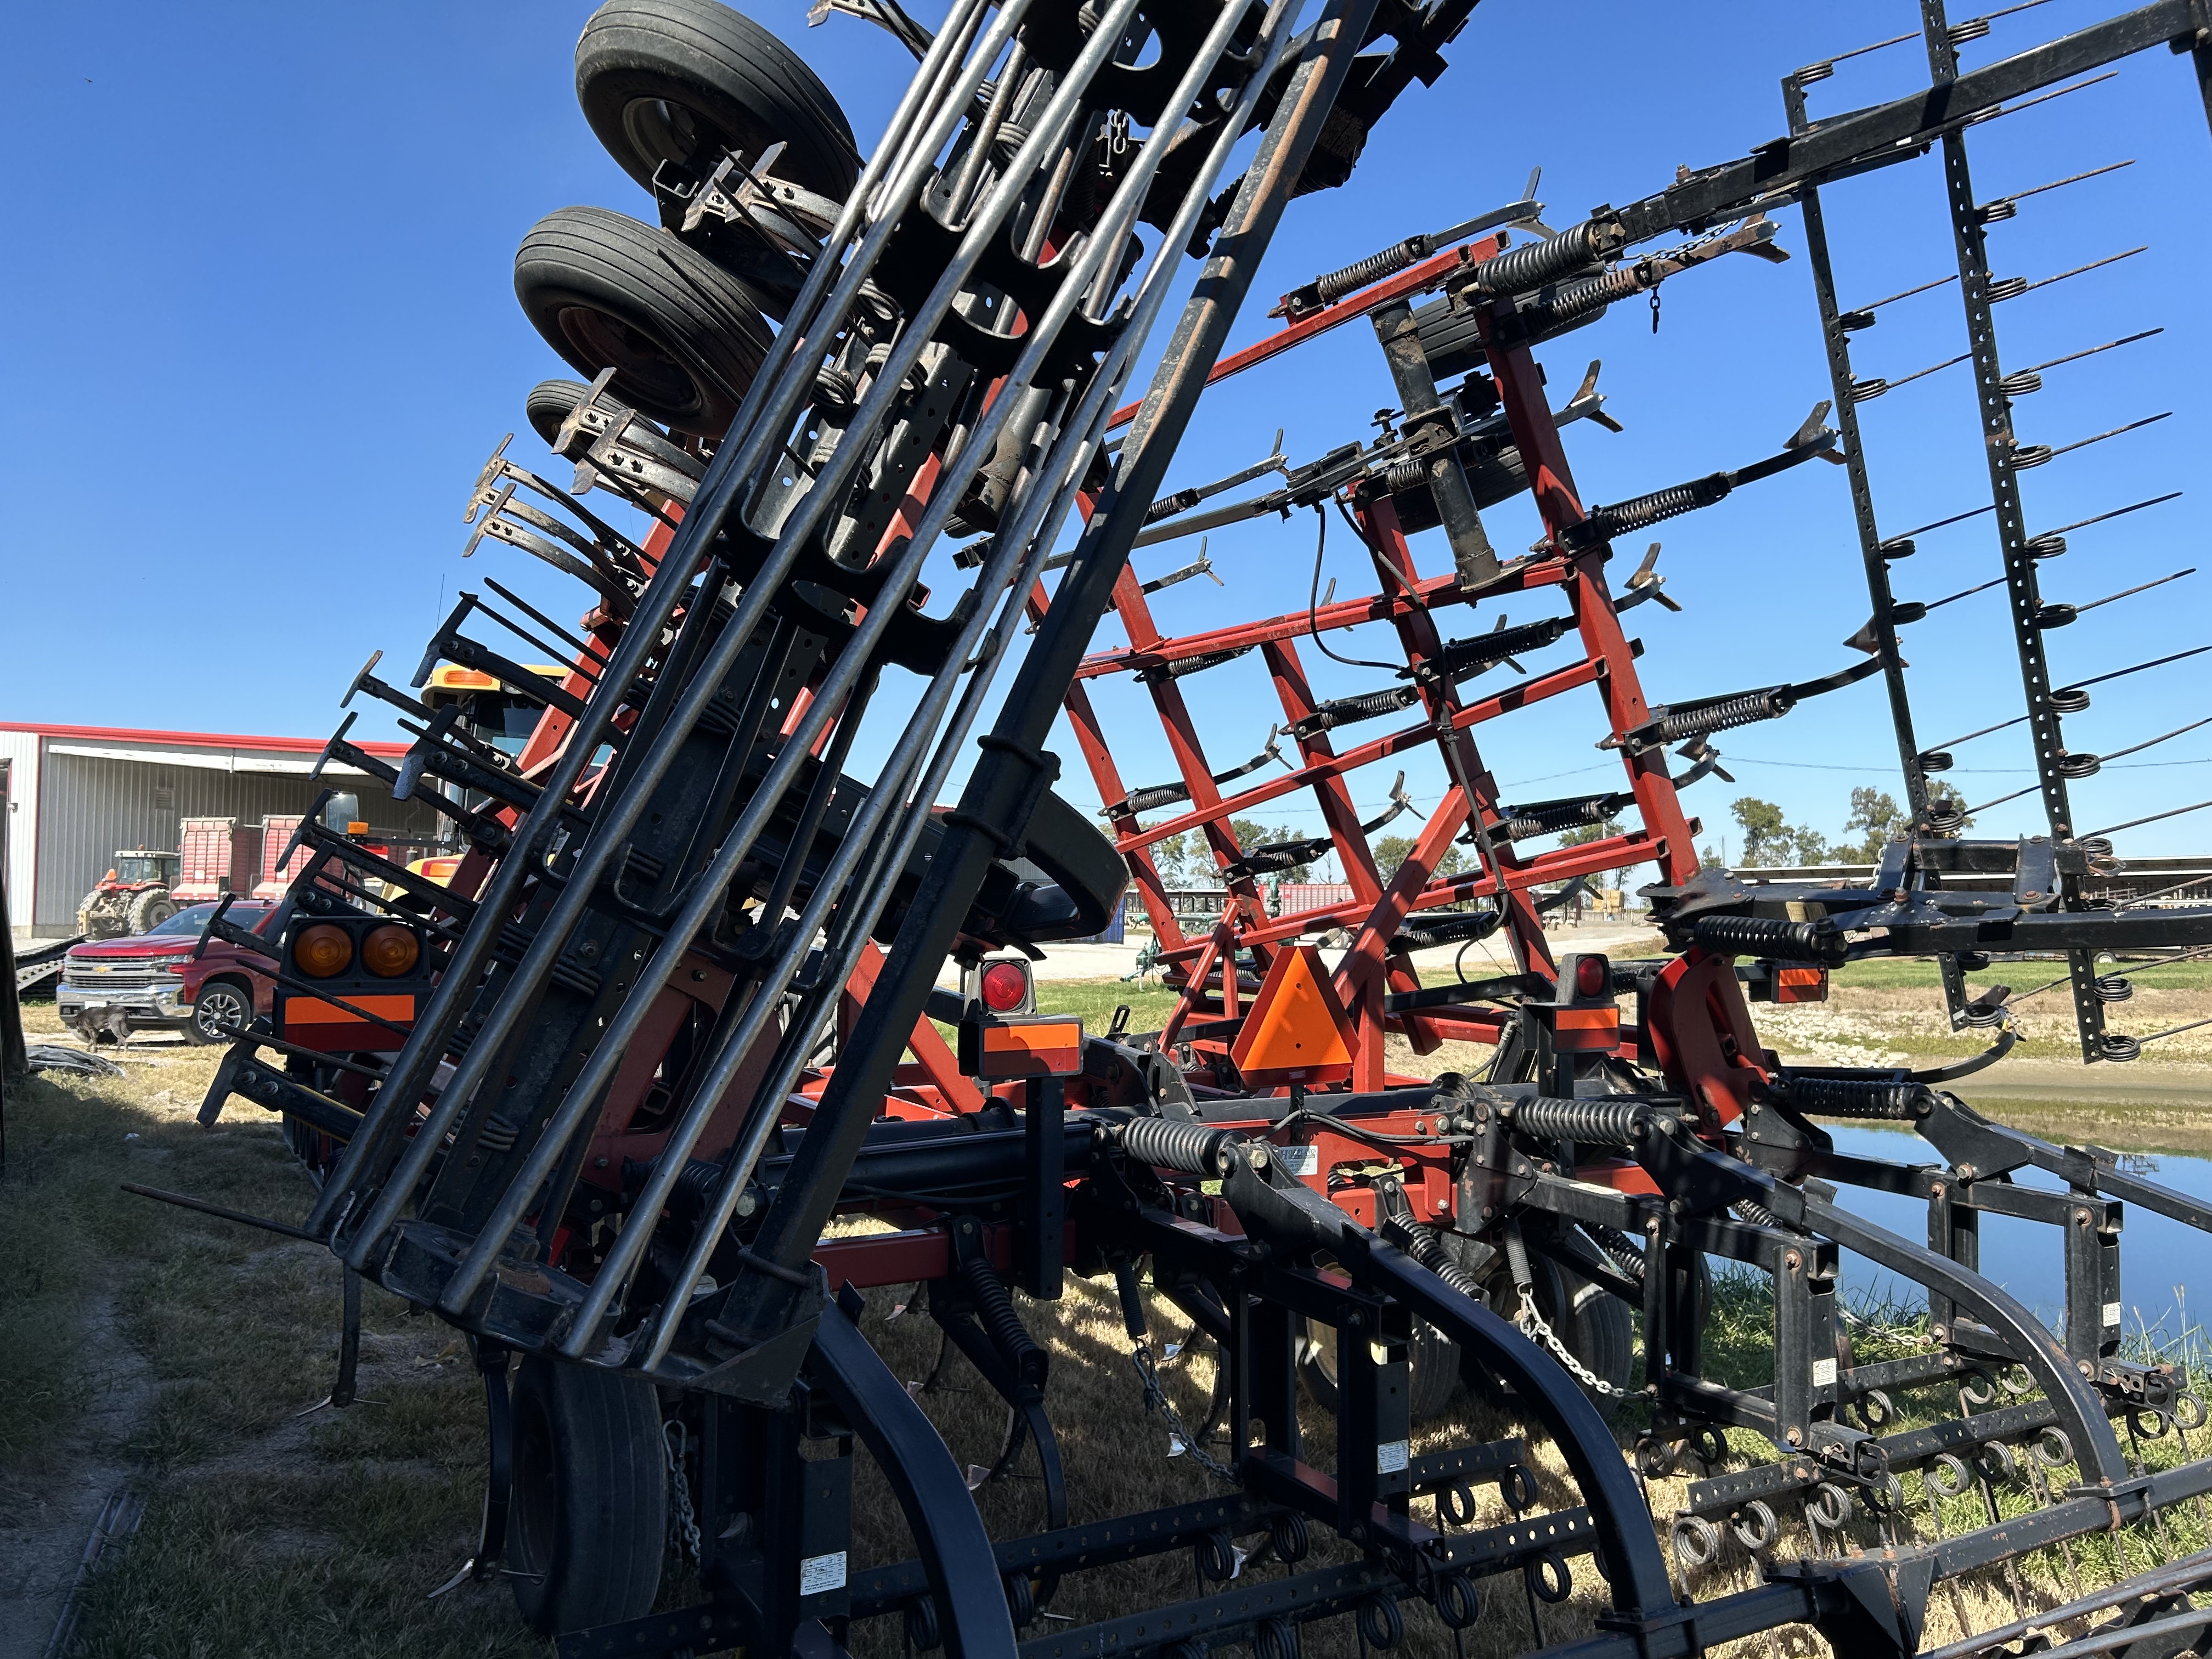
(623, 1097)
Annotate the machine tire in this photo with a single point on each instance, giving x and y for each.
(587, 1531)
(1432, 1368)
(690, 81)
(1599, 1331)
(209, 1023)
(150, 909)
(684, 336)
(548, 404)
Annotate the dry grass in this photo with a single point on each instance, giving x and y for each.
(269, 1534)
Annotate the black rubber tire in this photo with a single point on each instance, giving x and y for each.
(685, 336)
(1432, 1368)
(551, 403)
(1600, 1330)
(591, 1496)
(691, 80)
(223, 1008)
(150, 910)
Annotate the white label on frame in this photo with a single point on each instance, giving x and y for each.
(2112, 1313)
(1390, 1457)
(1299, 1160)
(1824, 1373)
(818, 1574)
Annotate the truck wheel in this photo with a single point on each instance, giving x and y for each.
(590, 1521)
(690, 81)
(223, 1008)
(684, 336)
(150, 910)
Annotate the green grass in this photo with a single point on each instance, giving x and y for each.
(266, 1535)
(1879, 974)
(1094, 999)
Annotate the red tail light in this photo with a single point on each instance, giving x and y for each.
(1005, 986)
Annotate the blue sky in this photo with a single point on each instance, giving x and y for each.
(262, 334)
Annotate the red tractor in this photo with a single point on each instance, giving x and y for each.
(133, 898)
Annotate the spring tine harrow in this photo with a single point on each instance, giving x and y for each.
(596, 1087)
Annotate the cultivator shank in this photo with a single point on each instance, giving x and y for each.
(604, 1094)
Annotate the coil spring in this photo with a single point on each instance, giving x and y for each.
(1578, 300)
(996, 1310)
(1450, 931)
(1403, 475)
(1176, 671)
(1167, 1144)
(1548, 818)
(1373, 268)
(1534, 263)
(1279, 855)
(1349, 711)
(1470, 655)
(1756, 1213)
(1596, 1123)
(1762, 936)
(1627, 1255)
(1605, 523)
(1748, 709)
(1863, 1097)
(1424, 1246)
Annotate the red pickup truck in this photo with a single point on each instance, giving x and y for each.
(150, 981)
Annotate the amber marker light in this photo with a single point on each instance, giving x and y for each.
(390, 951)
(323, 951)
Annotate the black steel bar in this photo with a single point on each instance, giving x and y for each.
(2000, 447)
(948, 1532)
(1011, 771)
(1902, 128)
(1879, 591)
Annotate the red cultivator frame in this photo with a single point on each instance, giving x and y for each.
(1418, 608)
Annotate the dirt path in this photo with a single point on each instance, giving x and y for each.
(45, 1519)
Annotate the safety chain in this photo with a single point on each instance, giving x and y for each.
(676, 1437)
(1156, 1398)
(1532, 1324)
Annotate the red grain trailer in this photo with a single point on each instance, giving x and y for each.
(220, 856)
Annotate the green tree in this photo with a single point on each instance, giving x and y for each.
(1875, 821)
(1590, 832)
(1187, 860)
(1768, 838)
(1943, 794)
(1391, 851)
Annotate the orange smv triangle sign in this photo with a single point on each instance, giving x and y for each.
(1297, 1031)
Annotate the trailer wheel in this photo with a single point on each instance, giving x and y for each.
(684, 336)
(1432, 1368)
(1599, 1330)
(549, 403)
(690, 81)
(590, 1516)
(223, 1008)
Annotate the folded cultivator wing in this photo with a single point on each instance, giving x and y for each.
(598, 1094)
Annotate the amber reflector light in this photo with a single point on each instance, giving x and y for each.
(323, 951)
(390, 951)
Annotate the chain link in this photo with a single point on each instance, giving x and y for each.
(1532, 1325)
(676, 1437)
(1156, 1399)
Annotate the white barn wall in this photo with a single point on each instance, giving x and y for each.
(19, 837)
(93, 806)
